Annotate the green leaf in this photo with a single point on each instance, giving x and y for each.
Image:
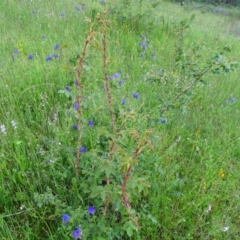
(129, 231)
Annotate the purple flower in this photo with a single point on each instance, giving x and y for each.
(144, 37)
(136, 95)
(117, 75)
(76, 105)
(68, 88)
(123, 101)
(82, 149)
(144, 46)
(48, 58)
(77, 233)
(30, 56)
(65, 218)
(90, 123)
(76, 83)
(75, 127)
(16, 51)
(43, 37)
(120, 83)
(56, 47)
(91, 210)
(55, 55)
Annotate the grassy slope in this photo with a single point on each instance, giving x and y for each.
(179, 173)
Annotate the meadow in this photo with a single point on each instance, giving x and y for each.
(119, 120)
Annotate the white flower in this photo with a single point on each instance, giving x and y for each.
(225, 229)
(3, 129)
(14, 124)
(208, 209)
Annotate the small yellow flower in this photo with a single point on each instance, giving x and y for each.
(221, 173)
(198, 131)
(204, 185)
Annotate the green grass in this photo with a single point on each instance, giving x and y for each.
(187, 164)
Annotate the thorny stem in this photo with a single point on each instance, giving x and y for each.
(79, 96)
(124, 186)
(109, 98)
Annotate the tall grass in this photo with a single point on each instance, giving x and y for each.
(118, 125)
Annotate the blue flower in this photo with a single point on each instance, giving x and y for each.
(75, 127)
(76, 105)
(82, 149)
(136, 95)
(48, 58)
(55, 55)
(91, 210)
(65, 218)
(233, 99)
(163, 121)
(120, 83)
(30, 56)
(144, 46)
(117, 75)
(43, 37)
(16, 51)
(90, 123)
(123, 101)
(77, 233)
(56, 47)
(144, 37)
(68, 88)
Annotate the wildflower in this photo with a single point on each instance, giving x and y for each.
(16, 51)
(233, 99)
(208, 209)
(117, 75)
(102, 2)
(123, 101)
(56, 47)
(68, 88)
(221, 173)
(48, 58)
(82, 149)
(65, 218)
(75, 127)
(14, 124)
(76, 105)
(144, 46)
(77, 233)
(225, 229)
(163, 121)
(90, 123)
(3, 129)
(55, 55)
(76, 83)
(43, 37)
(30, 56)
(91, 210)
(120, 83)
(144, 37)
(136, 95)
